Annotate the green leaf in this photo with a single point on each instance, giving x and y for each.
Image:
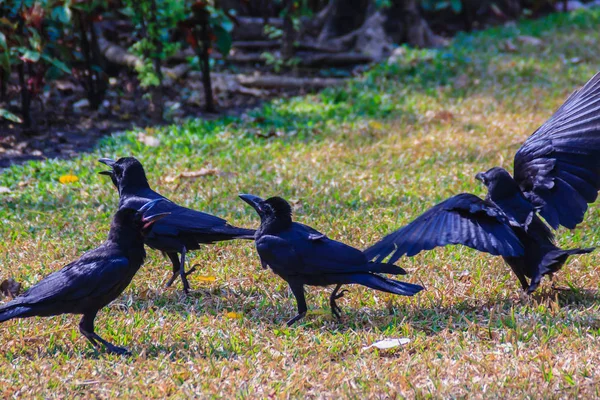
(10, 116)
(223, 41)
(28, 55)
(62, 13)
(58, 64)
(456, 5)
(3, 41)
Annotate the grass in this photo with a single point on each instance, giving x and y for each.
(358, 162)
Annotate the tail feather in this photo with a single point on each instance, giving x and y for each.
(555, 259)
(10, 311)
(231, 232)
(573, 252)
(385, 268)
(386, 284)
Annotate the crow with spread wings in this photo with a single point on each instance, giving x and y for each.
(556, 175)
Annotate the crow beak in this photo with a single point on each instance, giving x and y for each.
(108, 161)
(151, 219)
(480, 177)
(148, 220)
(254, 201)
(109, 173)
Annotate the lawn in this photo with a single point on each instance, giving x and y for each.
(357, 162)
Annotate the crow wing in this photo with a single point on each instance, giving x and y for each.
(93, 274)
(301, 250)
(558, 166)
(463, 219)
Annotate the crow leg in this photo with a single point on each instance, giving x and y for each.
(335, 309)
(535, 282)
(175, 261)
(177, 269)
(298, 290)
(182, 273)
(86, 327)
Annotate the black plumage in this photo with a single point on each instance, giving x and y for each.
(303, 256)
(556, 175)
(94, 280)
(182, 230)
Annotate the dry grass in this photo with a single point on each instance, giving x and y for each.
(358, 162)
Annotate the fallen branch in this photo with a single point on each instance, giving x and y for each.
(286, 82)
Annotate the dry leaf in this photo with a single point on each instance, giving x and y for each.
(461, 81)
(530, 40)
(196, 174)
(509, 46)
(388, 343)
(68, 179)
(204, 278)
(11, 288)
(376, 125)
(148, 140)
(233, 315)
(270, 134)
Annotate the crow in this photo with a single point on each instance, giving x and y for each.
(182, 230)
(556, 175)
(303, 256)
(94, 280)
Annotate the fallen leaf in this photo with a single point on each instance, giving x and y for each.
(195, 174)
(270, 134)
(148, 140)
(204, 278)
(530, 40)
(11, 288)
(388, 343)
(509, 46)
(461, 81)
(4, 189)
(68, 179)
(233, 315)
(376, 125)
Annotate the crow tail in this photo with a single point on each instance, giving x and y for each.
(383, 284)
(385, 268)
(231, 232)
(12, 310)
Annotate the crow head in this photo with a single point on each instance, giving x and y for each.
(127, 174)
(499, 183)
(274, 211)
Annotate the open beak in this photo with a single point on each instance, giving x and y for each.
(254, 201)
(148, 220)
(480, 177)
(110, 162)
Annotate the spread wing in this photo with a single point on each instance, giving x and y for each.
(463, 219)
(558, 166)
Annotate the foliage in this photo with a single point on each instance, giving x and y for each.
(357, 162)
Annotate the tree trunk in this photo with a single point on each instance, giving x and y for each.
(205, 61)
(287, 44)
(344, 17)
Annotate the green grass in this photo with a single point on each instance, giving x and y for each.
(358, 162)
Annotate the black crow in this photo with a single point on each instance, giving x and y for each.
(556, 175)
(182, 230)
(303, 256)
(94, 280)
